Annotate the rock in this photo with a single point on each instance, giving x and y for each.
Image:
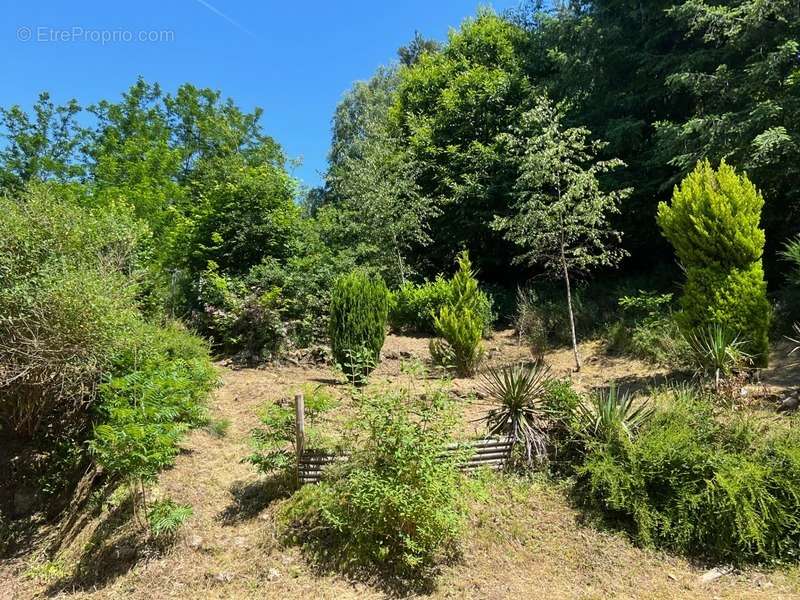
(223, 577)
(196, 542)
(715, 573)
(273, 574)
(789, 404)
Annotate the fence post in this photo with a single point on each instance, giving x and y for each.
(299, 429)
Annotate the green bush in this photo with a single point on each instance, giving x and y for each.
(78, 362)
(65, 300)
(273, 443)
(358, 315)
(460, 324)
(142, 415)
(713, 223)
(396, 505)
(415, 306)
(648, 330)
(689, 482)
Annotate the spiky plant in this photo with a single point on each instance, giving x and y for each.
(518, 392)
(717, 352)
(795, 340)
(608, 413)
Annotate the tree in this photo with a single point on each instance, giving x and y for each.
(40, 146)
(713, 223)
(561, 216)
(375, 208)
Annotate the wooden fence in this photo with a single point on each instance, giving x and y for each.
(492, 453)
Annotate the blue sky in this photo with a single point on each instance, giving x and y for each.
(293, 59)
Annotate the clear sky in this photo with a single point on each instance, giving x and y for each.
(293, 59)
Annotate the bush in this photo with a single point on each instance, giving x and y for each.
(273, 444)
(713, 223)
(414, 307)
(142, 415)
(64, 300)
(648, 330)
(726, 490)
(518, 392)
(460, 323)
(358, 315)
(397, 504)
(77, 358)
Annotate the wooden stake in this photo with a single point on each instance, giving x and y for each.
(299, 429)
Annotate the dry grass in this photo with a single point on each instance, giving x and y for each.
(533, 542)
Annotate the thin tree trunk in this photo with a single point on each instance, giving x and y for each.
(569, 308)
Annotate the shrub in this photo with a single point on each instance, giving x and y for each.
(142, 415)
(716, 352)
(460, 347)
(713, 223)
(397, 503)
(724, 489)
(414, 307)
(648, 330)
(460, 323)
(358, 315)
(273, 444)
(518, 392)
(64, 300)
(609, 414)
(165, 518)
(529, 324)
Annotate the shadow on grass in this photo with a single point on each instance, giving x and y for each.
(636, 384)
(249, 498)
(112, 550)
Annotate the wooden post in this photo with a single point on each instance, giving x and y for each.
(299, 429)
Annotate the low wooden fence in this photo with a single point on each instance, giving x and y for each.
(493, 453)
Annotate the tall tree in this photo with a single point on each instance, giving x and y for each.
(375, 210)
(560, 219)
(40, 146)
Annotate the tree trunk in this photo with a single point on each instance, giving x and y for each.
(569, 308)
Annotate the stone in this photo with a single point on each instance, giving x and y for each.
(223, 577)
(715, 573)
(196, 542)
(273, 574)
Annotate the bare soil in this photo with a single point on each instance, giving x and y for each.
(532, 543)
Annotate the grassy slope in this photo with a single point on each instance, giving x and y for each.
(532, 541)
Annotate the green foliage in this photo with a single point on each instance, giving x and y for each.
(713, 223)
(273, 443)
(695, 484)
(610, 414)
(166, 517)
(143, 414)
(716, 352)
(518, 392)
(460, 323)
(65, 303)
(561, 220)
(358, 317)
(396, 505)
(414, 307)
(648, 329)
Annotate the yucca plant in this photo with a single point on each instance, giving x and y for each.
(717, 351)
(608, 413)
(518, 392)
(795, 340)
